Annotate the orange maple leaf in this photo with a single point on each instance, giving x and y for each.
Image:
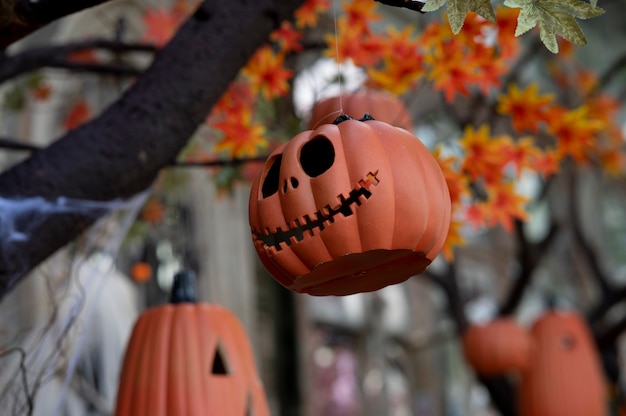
(241, 136)
(484, 155)
(506, 22)
(359, 14)
(454, 239)
(266, 73)
(456, 181)
(575, 132)
(287, 38)
(307, 14)
(451, 69)
(526, 107)
(546, 163)
(504, 205)
(78, 114)
(522, 153)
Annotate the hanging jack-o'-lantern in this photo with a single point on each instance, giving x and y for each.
(565, 376)
(188, 358)
(349, 207)
(381, 105)
(497, 347)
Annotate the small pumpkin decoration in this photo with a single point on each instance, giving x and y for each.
(349, 207)
(381, 105)
(188, 358)
(565, 377)
(497, 347)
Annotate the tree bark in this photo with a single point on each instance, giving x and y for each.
(121, 152)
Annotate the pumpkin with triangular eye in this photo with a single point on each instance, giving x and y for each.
(349, 207)
(188, 358)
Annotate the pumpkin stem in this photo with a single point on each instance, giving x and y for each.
(342, 118)
(366, 117)
(184, 289)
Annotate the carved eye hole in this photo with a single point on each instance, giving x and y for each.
(317, 156)
(568, 342)
(220, 365)
(270, 183)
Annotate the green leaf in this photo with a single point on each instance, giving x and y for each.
(483, 8)
(577, 8)
(457, 10)
(554, 17)
(432, 5)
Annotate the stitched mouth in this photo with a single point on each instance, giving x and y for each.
(310, 223)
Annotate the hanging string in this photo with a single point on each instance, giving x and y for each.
(337, 57)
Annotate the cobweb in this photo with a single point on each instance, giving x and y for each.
(64, 327)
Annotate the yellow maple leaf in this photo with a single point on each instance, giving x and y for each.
(526, 107)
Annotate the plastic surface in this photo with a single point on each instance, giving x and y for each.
(189, 359)
(349, 208)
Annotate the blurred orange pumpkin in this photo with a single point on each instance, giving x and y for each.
(565, 377)
(187, 358)
(497, 347)
(349, 207)
(381, 105)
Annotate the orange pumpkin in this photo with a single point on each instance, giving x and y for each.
(498, 347)
(187, 358)
(349, 207)
(380, 104)
(565, 377)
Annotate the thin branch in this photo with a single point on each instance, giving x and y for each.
(529, 255)
(221, 162)
(602, 280)
(447, 281)
(59, 57)
(19, 18)
(12, 144)
(616, 68)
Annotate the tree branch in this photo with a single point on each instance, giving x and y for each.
(59, 57)
(528, 256)
(121, 152)
(19, 18)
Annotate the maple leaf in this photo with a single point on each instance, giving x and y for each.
(451, 71)
(78, 114)
(266, 73)
(241, 137)
(475, 214)
(359, 14)
(457, 10)
(554, 18)
(161, 25)
(352, 43)
(522, 153)
(526, 107)
(307, 14)
(482, 153)
(545, 163)
(453, 239)
(504, 205)
(508, 43)
(238, 98)
(575, 132)
(456, 181)
(287, 38)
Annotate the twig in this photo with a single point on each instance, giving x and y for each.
(221, 162)
(60, 57)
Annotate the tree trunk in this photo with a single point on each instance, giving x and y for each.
(120, 152)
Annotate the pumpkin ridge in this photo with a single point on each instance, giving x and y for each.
(327, 214)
